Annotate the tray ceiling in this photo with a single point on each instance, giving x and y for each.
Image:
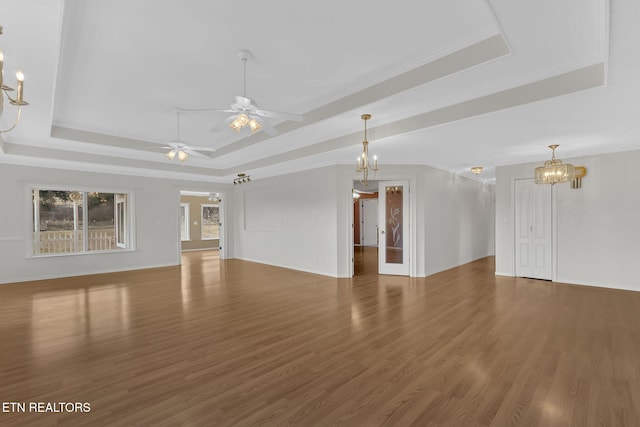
(450, 83)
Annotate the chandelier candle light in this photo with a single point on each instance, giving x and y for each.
(554, 171)
(363, 160)
(18, 101)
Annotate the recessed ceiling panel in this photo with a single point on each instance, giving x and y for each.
(124, 65)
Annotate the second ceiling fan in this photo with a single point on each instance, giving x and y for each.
(246, 116)
(181, 150)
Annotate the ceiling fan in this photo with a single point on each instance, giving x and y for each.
(245, 114)
(177, 148)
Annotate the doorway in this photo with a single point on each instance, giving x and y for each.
(365, 228)
(387, 253)
(201, 224)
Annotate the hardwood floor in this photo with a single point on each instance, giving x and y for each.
(238, 343)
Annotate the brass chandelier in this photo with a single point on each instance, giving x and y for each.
(364, 165)
(18, 101)
(554, 171)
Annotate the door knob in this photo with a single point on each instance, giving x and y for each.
(382, 232)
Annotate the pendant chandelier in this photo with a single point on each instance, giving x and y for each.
(18, 101)
(554, 171)
(364, 165)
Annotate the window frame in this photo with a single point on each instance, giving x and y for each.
(121, 230)
(32, 230)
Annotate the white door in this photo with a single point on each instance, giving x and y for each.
(393, 246)
(369, 222)
(533, 229)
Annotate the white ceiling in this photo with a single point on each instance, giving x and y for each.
(450, 83)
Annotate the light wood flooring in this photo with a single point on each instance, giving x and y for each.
(237, 343)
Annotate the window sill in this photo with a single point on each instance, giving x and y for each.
(63, 254)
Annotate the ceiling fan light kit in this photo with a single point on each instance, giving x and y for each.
(239, 122)
(182, 155)
(254, 126)
(243, 120)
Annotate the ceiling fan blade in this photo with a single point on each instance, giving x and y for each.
(215, 110)
(168, 146)
(194, 153)
(277, 115)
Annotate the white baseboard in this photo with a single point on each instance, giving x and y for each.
(499, 273)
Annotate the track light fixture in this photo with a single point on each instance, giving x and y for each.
(241, 179)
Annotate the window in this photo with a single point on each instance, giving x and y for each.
(210, 220)
(66, 221)
(184, 222)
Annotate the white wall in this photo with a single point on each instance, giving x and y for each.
(288, 221)
(459, 218)
(300, 221)
(596, 227)
(156, 222)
